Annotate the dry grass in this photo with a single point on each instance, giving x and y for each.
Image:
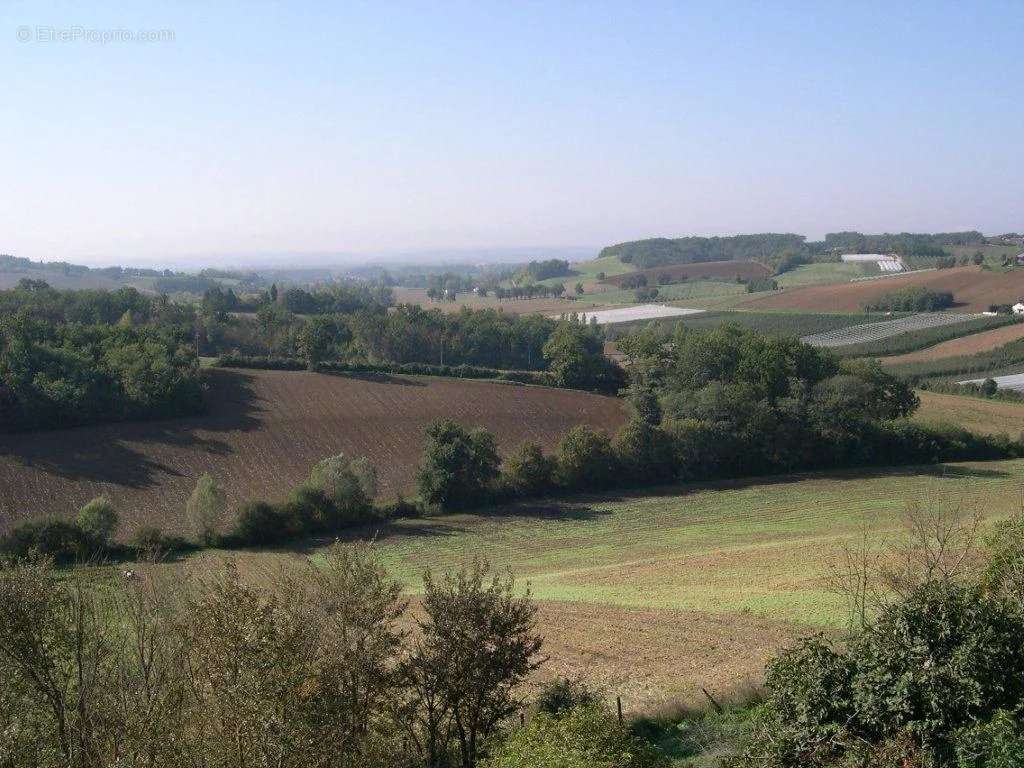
(973, 413)
(965, 345)
(263, 432)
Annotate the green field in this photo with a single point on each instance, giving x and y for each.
(689, 292)
(757, 547)
(610, 265)
(820, 274)
(771, 323)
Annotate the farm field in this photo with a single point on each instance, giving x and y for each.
(694, 585)
(973, 288)
(512, 306)
(610, 265)
(1011, 381)
(973, 413)
(727, 270)
(822, 274)
(263, 432)
(694, 290)
(885, 329)
(637, 313)
(771, 323)
(966, 345)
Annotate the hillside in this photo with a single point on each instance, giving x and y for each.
(263, 432)
(661, 251)
(712, 269)
(973, 288)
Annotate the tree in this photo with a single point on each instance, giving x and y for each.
(477, 644)
(575, 356)
(644, 452)
(585, 459)
(527, 471)
(206, 509)
(98, 519)
(349, 484)
(457, 467)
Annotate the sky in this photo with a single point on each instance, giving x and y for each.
(187, 133)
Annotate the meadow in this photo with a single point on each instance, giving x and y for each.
(691, 585)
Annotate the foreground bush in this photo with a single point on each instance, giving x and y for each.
(583, 737)
(915, 684)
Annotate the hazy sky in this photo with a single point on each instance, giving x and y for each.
(369, 127)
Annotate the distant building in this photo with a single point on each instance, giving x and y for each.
(1018, 308)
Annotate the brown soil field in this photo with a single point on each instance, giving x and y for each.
(965, 345)
(973, 413)
(726, 269)
(973, 289)
(262, 433)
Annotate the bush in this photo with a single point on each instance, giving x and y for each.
(260, 522)
(998, 743)
(941, 660)
(98, 521)
(585, 459)
(63, 541)
(527, 471)
(584, 737)
(563, 694)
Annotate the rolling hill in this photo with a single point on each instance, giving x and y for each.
(973, 289)
(262, 433)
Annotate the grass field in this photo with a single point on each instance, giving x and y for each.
(263, 432)
(822, 274)
(610, 265)
(973, 413)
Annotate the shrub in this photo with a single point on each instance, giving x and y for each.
(564, 694)
(206, 509)
(63, 541)
(527, 471)
(98, 520)
(585, 459)
(147, 537)
(260, 522)
(584, 737)
(997, 743)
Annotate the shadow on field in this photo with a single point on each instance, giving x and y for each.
(126, 453)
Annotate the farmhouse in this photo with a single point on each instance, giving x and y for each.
(1018, 308)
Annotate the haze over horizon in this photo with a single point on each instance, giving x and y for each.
(250, 133)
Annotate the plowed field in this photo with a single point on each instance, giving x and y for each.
(973, 289)
(262, 433)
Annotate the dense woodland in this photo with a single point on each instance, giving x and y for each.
(787, 249)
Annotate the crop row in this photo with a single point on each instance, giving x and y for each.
(869, 332)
